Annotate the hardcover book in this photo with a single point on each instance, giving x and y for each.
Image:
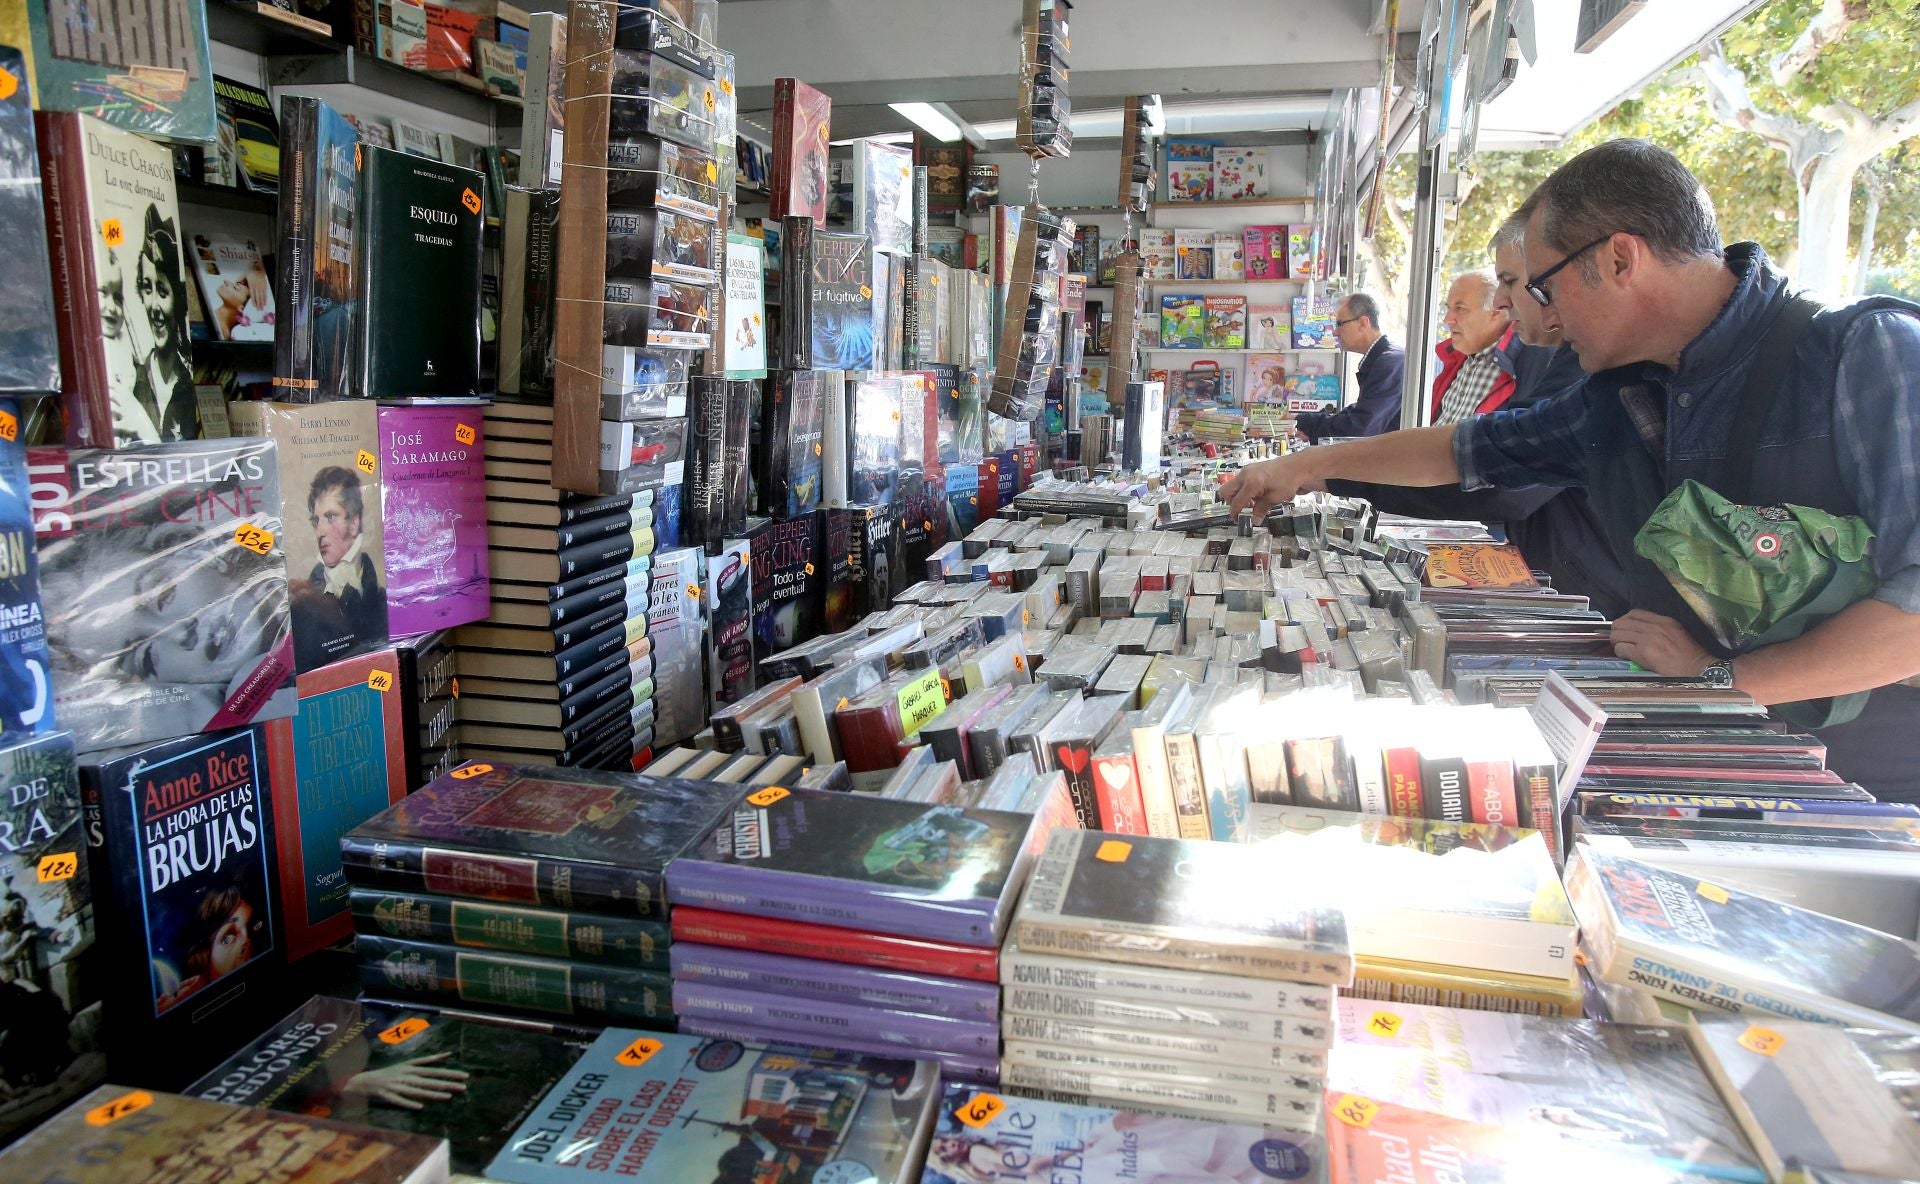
(319, 232)
(1240, 173)
(788, 578)
(119, 1136)
(1313, 324)
(525, 835)
(746, 1111)
(328, 458)
(418, 218)
(1267, 379)
(26, 671)
(1190, 170)
(905, 868)
(485, 925)
(675, 625)
(50, 1020)
(807, 978)
(730, 623)
(188, 533)
(233, 283)
(1156, 253)
(339, 761)
(29, 340)
(115, 240)
(1183, 322)
(593, 993)
(182, 856)
(146, 71)
(1265, 253)
(842, 301)
(246, 154)
(746, 328)
(434, 515)
(801, 116)
(1193, 254)
(460, 1078)
(1226, 322)
(883, 196)
(1303, 252)
(794, 436)
(1229, 255)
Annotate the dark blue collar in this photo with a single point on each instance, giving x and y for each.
(1731, 336)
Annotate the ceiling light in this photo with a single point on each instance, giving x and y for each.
(930, 119)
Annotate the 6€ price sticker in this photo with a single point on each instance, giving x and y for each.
(463, 433)
(1355, 1111)
(9, 427)
(380, 680)
(260, 542)
(119, 1108)
(365, 462)
(468, 772)
(638, 1053)
(404, 1031)
(1764, 1041)
(54, 868)
(1384, 1023)
(980, 1109)
(768, 796)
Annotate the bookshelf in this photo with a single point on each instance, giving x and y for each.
(1233, 203)
(1221, 283)
(1311, 349)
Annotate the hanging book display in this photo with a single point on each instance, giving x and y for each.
(1044, 127)
(1029, 339)
(1137, 178)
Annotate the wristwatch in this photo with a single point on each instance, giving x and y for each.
(1718, 673)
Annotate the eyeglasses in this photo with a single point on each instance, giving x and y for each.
(1536, 287)
(1348, 321)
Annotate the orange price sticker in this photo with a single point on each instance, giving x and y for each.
(1764, 1041)
(471, 200)
(927, 523)
(463, 433)
(54, 868)
(112, 233)
(726, 86)
(693, 591)
(380, 680)
(260, 542)
(456, 688)
(9, 426)
(980, 1109)
(1113, 851)
(973, 499)
(1355, 1111)
(809, 569)
(866, 293)
(841, 705)
(119, 1108)
(823, 133)
(365, 462)
(9, 82)
(706, 96)
(638, 1053)
(816, 450)
(1026, 618)
(1712, 892)
(768, 796)
(1020, 663)
(467, 772)
(404, 1031)
(1384, 1023)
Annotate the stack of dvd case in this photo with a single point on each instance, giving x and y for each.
(526, 890)
(867, 924)
(1196, 979)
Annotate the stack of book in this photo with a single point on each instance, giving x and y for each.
(526, 891)
(1195, 979)
(872, 925)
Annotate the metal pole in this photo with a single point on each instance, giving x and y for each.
(1426, 238)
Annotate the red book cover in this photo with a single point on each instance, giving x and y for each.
(337, 763)
(801, 121)
(870, 730)
(1491, 797)
(450, 34)
(1116, 787)
(83, 369)
(802, 939)
(989, 487)
(1403, 783)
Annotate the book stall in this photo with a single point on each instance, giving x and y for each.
(564, 617)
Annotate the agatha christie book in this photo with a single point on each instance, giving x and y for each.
(807, 978)
(29, 342)
(890, 866)
(49, 1010)
(842, 302)
(319, 230)
(147, 71)
(339, 761)
(119, 270)
(590, 992)
(801, 116)
(182, 847)
(561, 837)
(233, 283)
(115, 1135)
(433, 499)
(187, 532)
(725, 1109)
(418, 218)
(469, 1080)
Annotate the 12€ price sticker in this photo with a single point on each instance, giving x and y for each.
(54, 868)
(462, 433)
(9, 427)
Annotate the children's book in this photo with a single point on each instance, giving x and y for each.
(1267, 378)
(1240, 173)
(1265, 249)
(1313, 325)
(1190, 170)
(1226, 323)
(1193, 254)
(1183, 322)
(1229, 256)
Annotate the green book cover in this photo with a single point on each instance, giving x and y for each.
(421, 226)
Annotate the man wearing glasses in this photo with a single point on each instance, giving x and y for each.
(1382, 366)
(1702, 364)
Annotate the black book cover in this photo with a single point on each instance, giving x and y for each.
(1443, 784)
(550, 933)
(738, 461)
(923, 519)
(426, 668)
(182, 854)
(842, 308)
(29, 343)
(787, 583)
(538, 836)
(587, 530)
(592, 600)
(796, 408)
(26, 680)
(646, 243)
(877, 567)
(795, 341)
(516, 983)
(839, 600)
(319, 303)
(537, 298)
(421, 229)
(707, 482)
(876, 404)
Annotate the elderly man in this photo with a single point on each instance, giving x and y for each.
(1382, 367)
(1477, 358)
(1703, 364)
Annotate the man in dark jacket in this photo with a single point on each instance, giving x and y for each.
(1382, 367)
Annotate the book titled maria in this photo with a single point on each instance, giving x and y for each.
(167, 587)
(433, 487)
(564, 837)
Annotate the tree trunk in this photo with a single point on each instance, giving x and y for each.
(1868, 224)
(1826, 200)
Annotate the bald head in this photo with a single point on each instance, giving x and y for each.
(1472, 318)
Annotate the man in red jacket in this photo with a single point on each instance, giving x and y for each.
(1476, 361)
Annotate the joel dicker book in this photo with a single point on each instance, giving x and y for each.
(434, 498)
(725, 1110)
(26, 678)
(889, 866)
(419, 218)
(49, 1010)
(319, 226)
(167, 586)
(523, 835)
(182, 851)
(464, 1079)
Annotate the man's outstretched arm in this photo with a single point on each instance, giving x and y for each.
(1413, 456)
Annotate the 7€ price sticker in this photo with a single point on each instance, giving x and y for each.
(54, 868)
(404, 1031)
(463, 433)
(112, 1112)
(366, 461)
(980, 1109)
(638, 1053)
(260, 542)
(1355, 1111)
(468, 772)
(1384, 1023)
(768, 796)
(1764, 1041)
(380, 680)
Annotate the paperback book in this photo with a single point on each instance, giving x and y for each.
(842, 301)
(148, 72)
(29, 339)
(246, 148)
(26, 674)
(801, 116)
(319, 229)
(233, 283)
(883, 196)
(434, 516)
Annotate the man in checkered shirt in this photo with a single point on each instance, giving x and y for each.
(1477, 358)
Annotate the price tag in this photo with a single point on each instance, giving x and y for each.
(456, 687)
(365, 462)
(768, 796)
(463, 433)
(54, 868)
(380, 680)
(9, 82)
(973, 499)
(404, 1031)
(866, 293)
(946, 688)
(1384, 1023)
(1355, 1111)
(841, 705)
(1026, 618)
(706, 96)
(713, 172)
(816, 450)
(1712, 892)
(260, 542)
(1764, 1041)
(1113, 851)
(468, 772)
(471, 200)
(926, 522)
(119, 1108)
(823, 133)
(726, 86)
(9, 426)
(896, 416)
(693, 591)
(638, 1053)
(112, 233)
(980, 1109)
(1020, 663)
(809, 569)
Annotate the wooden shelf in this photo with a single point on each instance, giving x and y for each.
(1232, 203)
(224, 197)
(1217, 283)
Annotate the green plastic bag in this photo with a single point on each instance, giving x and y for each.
(1760, 575)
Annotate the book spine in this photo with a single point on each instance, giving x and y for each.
(573, 534)
(1370, 780)
(1488, 993)
(83, 363)
(815, 1017)
(591, 601)
(870, 737)
(705, 506)
(1321, 774)
(1403, 782)
(544, 932)
(1292, 1112)
(1443, 782)
(777, 975)
(780, 172)
(1170, 988)
(766, 893)
(1173, 1018)
(1205, 1049)
(1537, 787)
(1223, 768)
(1117, 790)
(1076, 761)
(541, 881)
(1074, 940)
(1046, 1056)
(855, 947)
(796, 293)
(1490, 792)
(978, 1070)
(1189, 799)
(1156, 788)
(300, 176)
(513, 982)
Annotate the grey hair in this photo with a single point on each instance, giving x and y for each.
(1489, 285)
(1512, 232)
(1632, 187)
(1359, 304)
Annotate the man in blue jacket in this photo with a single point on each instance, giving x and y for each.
(1382, 366)
(1703, 364)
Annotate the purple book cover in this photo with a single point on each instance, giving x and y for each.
(981, 1070)
(434, 483)
(835, 982)
(896, 1029)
